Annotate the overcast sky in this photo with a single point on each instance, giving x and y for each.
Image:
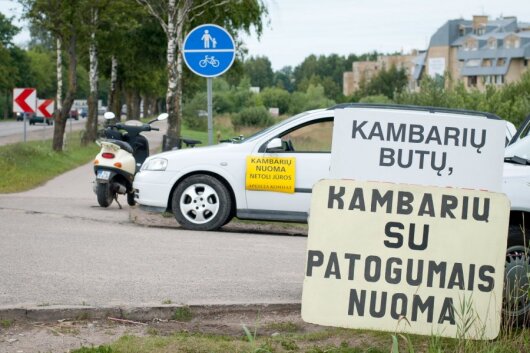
(298, 28)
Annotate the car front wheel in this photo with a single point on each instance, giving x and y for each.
(201, 202)
(517, 285)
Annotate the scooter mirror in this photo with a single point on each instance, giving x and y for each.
(109, 115)
(162, 116)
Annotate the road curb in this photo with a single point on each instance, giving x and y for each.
(138, 313)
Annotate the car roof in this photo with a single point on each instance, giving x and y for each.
(415, 108)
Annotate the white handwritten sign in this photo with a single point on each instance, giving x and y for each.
(418, 147)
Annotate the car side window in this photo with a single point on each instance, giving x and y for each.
(315, 137)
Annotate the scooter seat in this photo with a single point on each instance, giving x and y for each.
(123, 145)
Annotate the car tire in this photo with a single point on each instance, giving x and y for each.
(517, 286)
(201, 202)
(105, 194)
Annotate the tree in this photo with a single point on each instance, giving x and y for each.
(175, 16)
(62, 19)
(386, 82)
(259, 70)
(8, 71)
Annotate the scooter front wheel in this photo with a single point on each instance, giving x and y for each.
(130, 199)
(105, 194)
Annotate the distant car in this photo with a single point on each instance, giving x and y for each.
(83, 112)
(33, 119)
(74, 114)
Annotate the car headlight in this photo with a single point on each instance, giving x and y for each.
(155, 164)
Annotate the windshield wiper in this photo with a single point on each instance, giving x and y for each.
(517, 160)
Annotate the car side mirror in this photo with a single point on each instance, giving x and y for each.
(275, 145)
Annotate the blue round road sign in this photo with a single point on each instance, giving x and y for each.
(209, 50)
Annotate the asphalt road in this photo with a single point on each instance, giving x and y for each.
(58, 247)
(13, 131)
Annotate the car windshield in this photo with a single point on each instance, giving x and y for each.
(270, 128)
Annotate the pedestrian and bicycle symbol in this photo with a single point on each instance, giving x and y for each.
(209, 50)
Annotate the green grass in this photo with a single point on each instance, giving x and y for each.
(329, 340)
(182, 314)
(27, 165)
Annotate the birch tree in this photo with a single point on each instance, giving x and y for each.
(175, 17)
(62, 19)
(92, 118)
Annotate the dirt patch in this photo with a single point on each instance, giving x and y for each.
(140, 216)
(66, 335)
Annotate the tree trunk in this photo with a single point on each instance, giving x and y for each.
(113, 92)
(57, 143)
(173, 129)
(6, 106)
(60, 122)
(92, 119)
(132, 100)
(117, 102)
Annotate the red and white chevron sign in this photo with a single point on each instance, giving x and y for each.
(45, 108)
(24, 100)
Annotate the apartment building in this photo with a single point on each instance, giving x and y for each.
(478, 52)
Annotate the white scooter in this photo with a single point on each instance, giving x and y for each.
(122, 153)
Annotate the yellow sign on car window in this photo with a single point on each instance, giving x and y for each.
(270, 174)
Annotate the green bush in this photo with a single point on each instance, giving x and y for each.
(193, 112)
(380, 98)
(252, 116)
(274, 97)
(510, 102)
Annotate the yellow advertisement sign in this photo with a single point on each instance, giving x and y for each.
(271, 174)
(379, 252)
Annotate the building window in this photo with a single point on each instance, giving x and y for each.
(501, 62)
(492, 44)
(487, 80)
(473, 63)
(472, 81)
(486, 63)
(499, 79)
(525, 62)
(516, 43)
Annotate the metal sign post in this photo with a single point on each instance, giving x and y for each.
(209, 84)
(209, 51)
(24, 101)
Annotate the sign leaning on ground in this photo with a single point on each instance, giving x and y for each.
(379, 252)
(404, 146)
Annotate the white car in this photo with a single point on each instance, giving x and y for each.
(205, 187)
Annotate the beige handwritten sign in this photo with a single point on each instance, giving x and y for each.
(378, 252)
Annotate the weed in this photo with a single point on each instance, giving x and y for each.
(151, 331)
(44, 304)
(100, 349)
(6, 323)
(167, 301)
(264, 348)
(182, 314)
(287, 326)
(83, 316)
